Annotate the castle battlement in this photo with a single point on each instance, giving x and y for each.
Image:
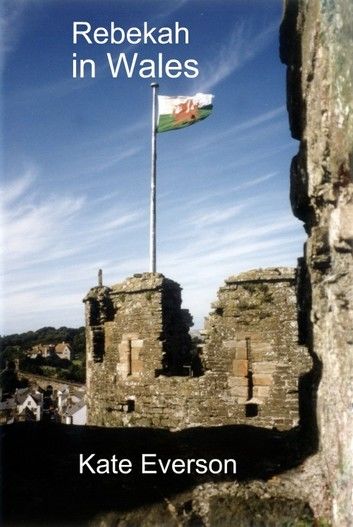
(143, 370)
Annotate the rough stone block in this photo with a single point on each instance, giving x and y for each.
(260, 351)
(124, 347)
(241, 352)
(263, 367)
(129, 336)
(122, 369)
(241, 391)
(137, 343)
(136, 367)
(230, 344)
(261, 392)
(264, 347)
(263, 379)
(135, 354)
(240, 367)
(238, 381)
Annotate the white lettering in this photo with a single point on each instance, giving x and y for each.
(124, 466)
(190, 66)
(114, 30)
(103, 466)
(178, 466)
(217, 462)
(173, 65)
(129, 69)
(148, 69)
(82, 32)
(133, 35)
(164, 467)
(147, 34)
(181, 30)
(92, 69)
(233, 464)
(201, 466)
(100, 35)
(86, 463)
(145, 463)
(165, 35)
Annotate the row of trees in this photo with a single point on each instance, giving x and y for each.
(14, 347)
(47, 335)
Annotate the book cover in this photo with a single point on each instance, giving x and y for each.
(170, 355)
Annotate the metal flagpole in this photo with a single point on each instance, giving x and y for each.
(154, 87)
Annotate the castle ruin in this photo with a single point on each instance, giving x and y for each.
(142, 369)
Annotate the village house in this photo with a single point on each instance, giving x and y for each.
(70, 405)
(25, 405)
(58, 401)
(63, 350)
(29, 404)
(76, 414)
(41, 350)
(62, 398)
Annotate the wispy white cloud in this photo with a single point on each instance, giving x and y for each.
(12, 21)
(113, 135)
(230, 232)
(228, 236)
(253, 182)
(32, 229)
(257, 155)
(56, 242)
(255, 124)
(18, 187)
(209, 255)
(105, 225)
(103, 161)
(257, 120)
(11, 15)
(171, 8)
(211, 217)
(199, 251)
(50, 250)
(242, 46)
(36, 230)
(210, 193)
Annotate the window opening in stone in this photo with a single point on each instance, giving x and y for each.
(130, 405)
(129, 358)
(250, 373)
(251, 410)
(98, 344)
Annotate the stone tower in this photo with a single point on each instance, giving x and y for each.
(135, 332)
(252, 341)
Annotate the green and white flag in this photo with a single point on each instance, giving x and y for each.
(180, 111)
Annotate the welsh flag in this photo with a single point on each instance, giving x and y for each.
(178, 112)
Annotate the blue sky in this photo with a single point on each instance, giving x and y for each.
(76, 163)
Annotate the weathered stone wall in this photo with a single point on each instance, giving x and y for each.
(317, 46)
(252, 338)
(135, 331)
(141, 370)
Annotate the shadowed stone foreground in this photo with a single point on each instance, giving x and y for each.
(317, 46)
(42, 484)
